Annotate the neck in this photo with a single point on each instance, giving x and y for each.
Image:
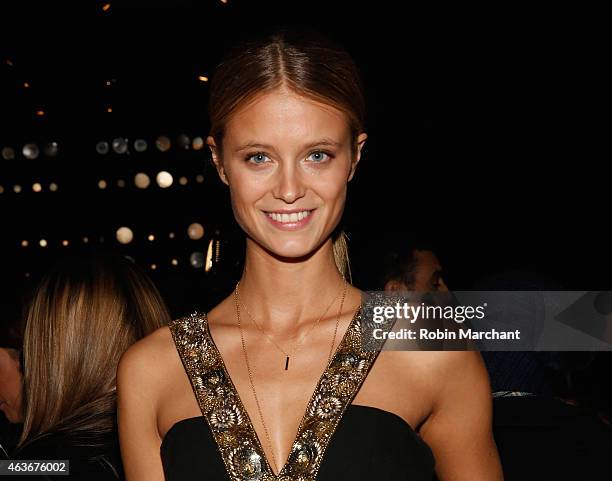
(282, 294)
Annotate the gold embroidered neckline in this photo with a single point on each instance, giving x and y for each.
(230, 423)
(304, 416)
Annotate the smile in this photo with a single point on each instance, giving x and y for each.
(290, 220)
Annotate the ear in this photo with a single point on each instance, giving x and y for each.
(210, 141)
(395, 285)
(360, 142)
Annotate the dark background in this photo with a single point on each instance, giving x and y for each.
(486, 135)
(488, 138)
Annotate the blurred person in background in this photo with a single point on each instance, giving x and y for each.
(10, 376)
(412, 266)
(83, 316)
(13, 298)
(11, 413)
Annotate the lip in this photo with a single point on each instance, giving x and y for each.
(289, 226)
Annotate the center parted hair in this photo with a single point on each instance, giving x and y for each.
(299, 59)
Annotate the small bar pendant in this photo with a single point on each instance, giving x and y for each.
(287, 363)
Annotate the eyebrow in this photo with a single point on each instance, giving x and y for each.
(252, 144)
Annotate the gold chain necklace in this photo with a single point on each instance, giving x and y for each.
(297, 344)
(246, 359)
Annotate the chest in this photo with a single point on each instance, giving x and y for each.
(389, 386)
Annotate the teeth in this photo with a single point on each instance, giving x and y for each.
(286, 218)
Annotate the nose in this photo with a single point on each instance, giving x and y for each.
(289, 184)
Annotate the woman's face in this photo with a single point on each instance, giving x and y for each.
(287, 160)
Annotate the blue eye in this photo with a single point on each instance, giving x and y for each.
(258, 156)
(319, 153)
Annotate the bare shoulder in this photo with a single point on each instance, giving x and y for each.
(448, 363)
(459, 367)
(437, 365)
(148, 362)
(143, 376)
(459, 427)
(457, 382)
(438, 375)
(148, 351)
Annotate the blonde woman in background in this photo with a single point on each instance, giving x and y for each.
(83, 316)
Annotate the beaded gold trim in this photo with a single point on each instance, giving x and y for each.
(232, 429)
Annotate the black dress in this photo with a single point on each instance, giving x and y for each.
(336, 440)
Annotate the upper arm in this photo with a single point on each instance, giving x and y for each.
(459, 429)
(137, 385)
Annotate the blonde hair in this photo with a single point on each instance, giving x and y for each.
(82, 317)
(341, 255)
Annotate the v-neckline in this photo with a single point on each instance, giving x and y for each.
(300, 429)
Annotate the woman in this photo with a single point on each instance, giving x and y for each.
(271, 383)
(83, 316)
